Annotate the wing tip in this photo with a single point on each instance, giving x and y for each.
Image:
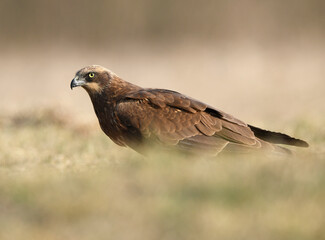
(301, 143)
(278, 138)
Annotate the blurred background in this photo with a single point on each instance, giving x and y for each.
(258, 60)
(62, 178)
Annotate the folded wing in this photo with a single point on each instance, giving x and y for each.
(176, 119)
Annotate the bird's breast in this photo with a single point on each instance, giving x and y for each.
(109, 126)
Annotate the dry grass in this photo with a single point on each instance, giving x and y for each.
(60, 180)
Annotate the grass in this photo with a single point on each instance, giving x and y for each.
(61, 180)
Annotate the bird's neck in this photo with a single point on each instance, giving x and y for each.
(118, 89)
(104, 103)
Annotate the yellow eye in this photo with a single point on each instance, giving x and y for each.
(91, 75)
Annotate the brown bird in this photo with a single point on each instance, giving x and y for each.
(134, 116)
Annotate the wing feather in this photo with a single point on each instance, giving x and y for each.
(242, 130)
(205, 129)
(203, 143)
(236, 137)
(174, 118)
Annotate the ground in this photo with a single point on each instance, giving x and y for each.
(62, 180)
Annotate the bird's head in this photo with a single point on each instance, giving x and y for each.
(93, 78)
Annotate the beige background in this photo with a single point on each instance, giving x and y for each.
(262, 61)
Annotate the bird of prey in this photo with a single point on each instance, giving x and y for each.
(136, 117)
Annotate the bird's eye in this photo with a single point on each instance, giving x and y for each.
(91, 75)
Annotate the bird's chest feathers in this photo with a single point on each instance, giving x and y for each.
(107, 120)
(109, 123)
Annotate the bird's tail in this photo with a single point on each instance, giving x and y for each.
(278, 138)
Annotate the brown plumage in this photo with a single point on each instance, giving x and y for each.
(134, 116)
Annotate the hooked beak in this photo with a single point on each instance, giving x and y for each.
(76, 82)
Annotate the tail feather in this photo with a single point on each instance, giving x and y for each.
(277, 138)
